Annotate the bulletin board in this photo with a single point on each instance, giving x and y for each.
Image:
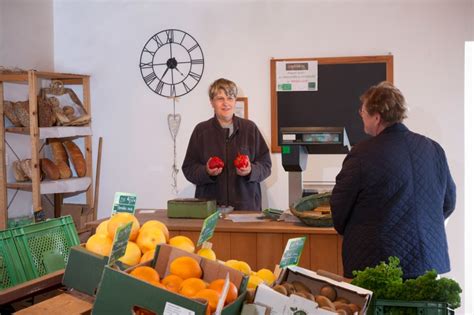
(341, 81)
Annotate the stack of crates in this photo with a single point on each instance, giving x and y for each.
(34, 250)
(392, 307)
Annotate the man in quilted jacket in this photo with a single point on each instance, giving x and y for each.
(393, 193)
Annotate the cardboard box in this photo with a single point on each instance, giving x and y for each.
(84, 270)
(191, 208)
(119, 292)
(316, 281)
(280, 304)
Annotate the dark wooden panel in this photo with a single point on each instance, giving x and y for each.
(243, 246)
(324, 252)
(269, 250)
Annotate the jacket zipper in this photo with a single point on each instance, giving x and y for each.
(227, 167)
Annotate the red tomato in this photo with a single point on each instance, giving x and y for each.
(241, 161)
(216, 162)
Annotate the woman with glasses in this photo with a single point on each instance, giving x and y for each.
(225, 136)
(393, 193)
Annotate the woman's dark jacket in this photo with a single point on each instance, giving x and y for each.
(391, 199)
(210, 139)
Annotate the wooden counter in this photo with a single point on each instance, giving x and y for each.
(260, 244)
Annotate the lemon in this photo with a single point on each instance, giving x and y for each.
(254, 281)
(266, 275)
(207, 253)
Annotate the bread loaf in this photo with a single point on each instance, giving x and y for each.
(20, 176)
(49, 169)
(26, 167)
(58, 151)
(76, 157)
(10, 113)
(64, 170)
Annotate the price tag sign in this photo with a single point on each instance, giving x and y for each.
(124, 202)
(120, 243)
(292, 253)
(208, 227)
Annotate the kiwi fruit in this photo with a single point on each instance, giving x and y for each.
(300, 294)
(290, 289)
(324, 301)
(280, 289)
(342, 299)
(309, 296)
(329, 292)
(354, 307)
(341, 312)
(300, 286)
(343, 306)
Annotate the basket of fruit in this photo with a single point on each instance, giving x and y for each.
(314, 210)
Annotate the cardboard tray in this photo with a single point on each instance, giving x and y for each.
(315, 282)
(191, 208)
(142, 294)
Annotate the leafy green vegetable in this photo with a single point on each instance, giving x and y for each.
(385, 281)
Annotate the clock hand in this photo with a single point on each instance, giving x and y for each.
(162, 76)
(176, 68)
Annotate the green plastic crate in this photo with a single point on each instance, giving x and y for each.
(392, 307)
(11, 270)
(44, 247)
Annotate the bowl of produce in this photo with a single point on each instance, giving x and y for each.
(314, 210)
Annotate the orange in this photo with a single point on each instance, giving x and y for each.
(102, 227)
(146, 273)
(122, 218)
(132, 254)
(148, 239)
(157, 224)
(218, 285)
(191, 286)
(149, 255)
(183, 243)
(100, 244)
(158, 284)
(185, 267)
(172, 282)
(211, 296)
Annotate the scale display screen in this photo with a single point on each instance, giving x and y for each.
(321, 137)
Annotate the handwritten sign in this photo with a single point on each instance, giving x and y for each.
(208, 227)
(120, 243)
(292, 253)
(124, 202)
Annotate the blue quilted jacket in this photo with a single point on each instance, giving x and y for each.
(391, 199)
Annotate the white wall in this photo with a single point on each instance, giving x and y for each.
(105, 38)
(26, 42)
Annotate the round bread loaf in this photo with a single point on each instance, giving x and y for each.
(49, 169)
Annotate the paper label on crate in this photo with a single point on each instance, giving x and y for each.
(224, 291)
(124, 202)
(292, 253)
(173, 309)
(208, 227)
(120, 243)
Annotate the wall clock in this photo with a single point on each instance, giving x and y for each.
(171, 63)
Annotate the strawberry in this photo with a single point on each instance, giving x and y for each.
(215, 162)
(241, 161)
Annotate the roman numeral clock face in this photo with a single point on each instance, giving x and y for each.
(171, 63)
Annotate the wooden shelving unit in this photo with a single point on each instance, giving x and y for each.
(32, 79)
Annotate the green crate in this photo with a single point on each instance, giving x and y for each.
(11, 270)
(392, 307)
(44, 247)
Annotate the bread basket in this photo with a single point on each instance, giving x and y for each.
(306, 209)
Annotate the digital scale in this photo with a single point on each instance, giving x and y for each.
(297, 142)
